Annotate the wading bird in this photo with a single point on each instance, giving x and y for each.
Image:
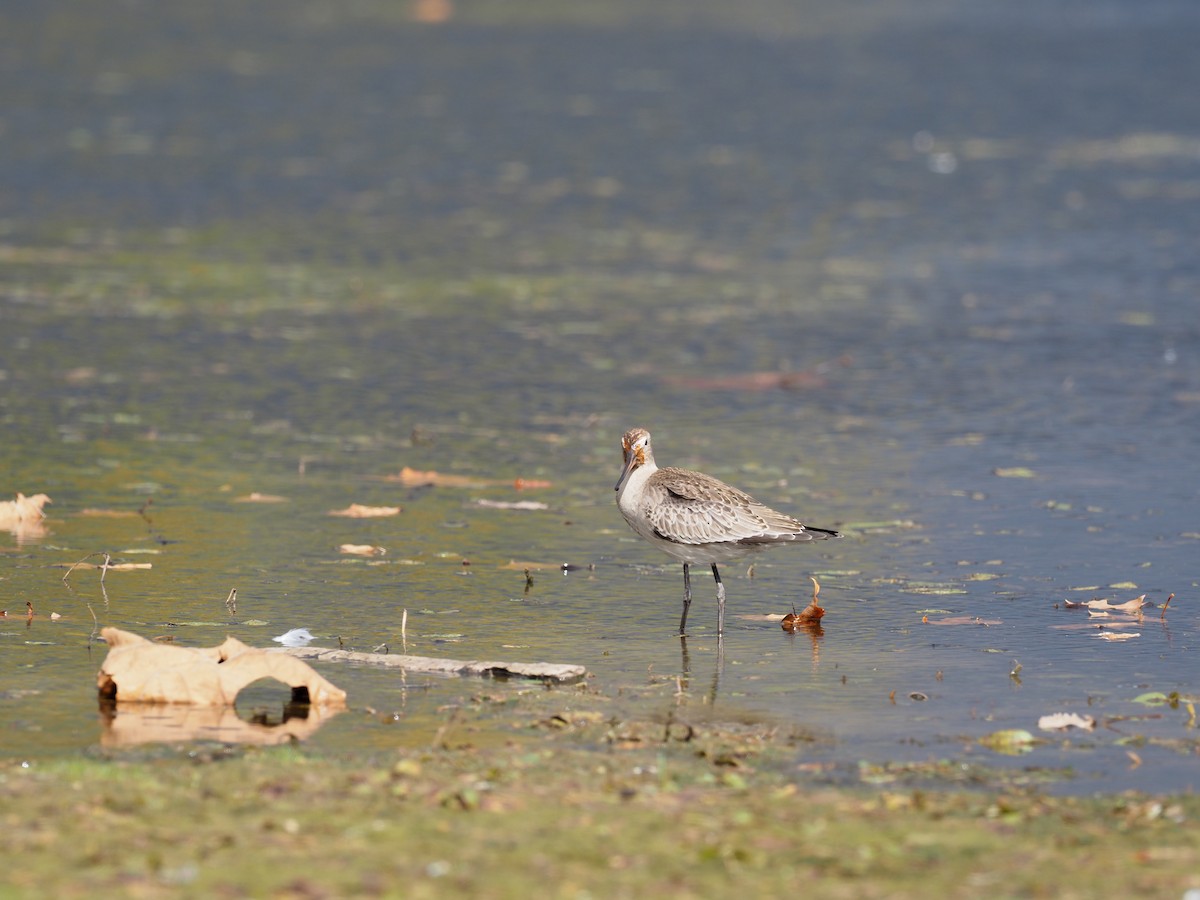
(698, 519)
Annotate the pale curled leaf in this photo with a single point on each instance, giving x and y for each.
(511, 504)
(1062, 721)
(358, 511)
(297, 637)
(138, 670)
(256, 497)
(22, 510)
(1129, 606)
(962, 620)
(362, 550)
(1119, 636)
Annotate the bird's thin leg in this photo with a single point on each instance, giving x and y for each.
(687, 597)
(720, 601)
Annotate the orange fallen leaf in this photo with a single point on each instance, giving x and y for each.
(808, 617)
(525, 484)
(417, 478)
(432, 12)
(358, 511)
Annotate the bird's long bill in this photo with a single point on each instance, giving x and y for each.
(630, 465)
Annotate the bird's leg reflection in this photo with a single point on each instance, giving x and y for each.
(685, 668)
(685, 664)
(718, 670)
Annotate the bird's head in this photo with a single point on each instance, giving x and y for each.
(636, 446)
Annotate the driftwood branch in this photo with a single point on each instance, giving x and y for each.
(541, 670)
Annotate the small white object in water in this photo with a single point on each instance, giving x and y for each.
(297, 637)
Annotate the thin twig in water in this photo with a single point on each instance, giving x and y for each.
(104, 568)
(95, 623)
(1163, 614)
(404, 629)
(67, 574)
(231, 602)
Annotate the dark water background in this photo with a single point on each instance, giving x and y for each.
(294, 248)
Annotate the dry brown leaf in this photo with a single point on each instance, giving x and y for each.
(1063, 721)
(358, 511)
(362, 550)
(809, 617)
(138, 670)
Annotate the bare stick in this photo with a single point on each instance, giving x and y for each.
(1163, 614)
(74, 566)
(404, 629)
(231, 602)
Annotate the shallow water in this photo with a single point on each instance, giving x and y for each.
(978, 232)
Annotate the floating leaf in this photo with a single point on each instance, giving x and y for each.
(1152, 698)
(1063, 721)
(22, 510)
(362, 550)
(526, 484)
(417, 478)
(256, 497)
(1119, 636)
(511, 504)
(1129, 606)
(1010, 741)
(961, 620)
(810, 617)
(297, 637)
(358, 511)
(1014, 472)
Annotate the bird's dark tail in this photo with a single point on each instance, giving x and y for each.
(823, 531)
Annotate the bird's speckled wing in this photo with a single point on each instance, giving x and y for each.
(693, 508)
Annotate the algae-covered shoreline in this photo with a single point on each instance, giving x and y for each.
(570, 802)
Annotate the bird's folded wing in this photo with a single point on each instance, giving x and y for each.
(691, 508)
